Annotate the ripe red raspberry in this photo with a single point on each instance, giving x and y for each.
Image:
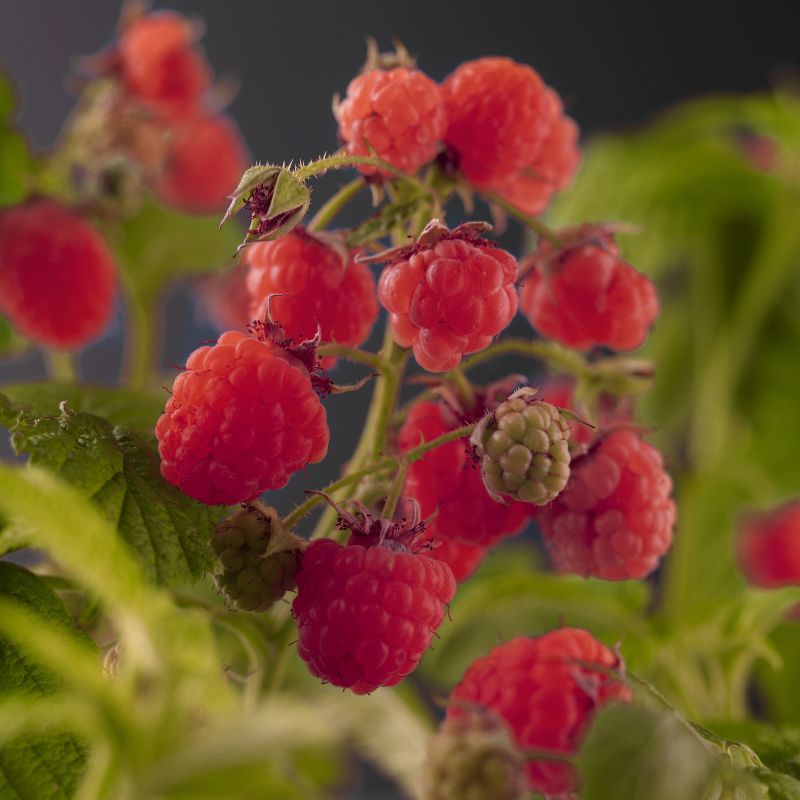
(242, 418)
(584, 294)
(463, 559)
(449, 294)
(553, 167)
(367, 611)
(769, 547)
(447, 482)
(615, 518)
(498, 115)
(160, 63)
(205, 161)
(58, 282)
(308, 284)
(225, 298)
(547, 691)
(398, 113)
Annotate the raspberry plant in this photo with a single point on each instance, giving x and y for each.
(175, 637)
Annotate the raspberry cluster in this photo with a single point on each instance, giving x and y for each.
(307, 285)
(547, 690)
(242, 418)
(769, 546)
(58, 279)
(448, 295)
(367, 611)
(583, 294)
(615, 517)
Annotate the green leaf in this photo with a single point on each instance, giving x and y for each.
(119, 471)
(781, 787)
(16, 162)
(36, 765)
(383, 222)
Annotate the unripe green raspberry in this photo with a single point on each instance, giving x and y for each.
(472, 757)
(258, 558)
(524, 449)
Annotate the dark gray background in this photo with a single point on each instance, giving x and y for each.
(615, 64)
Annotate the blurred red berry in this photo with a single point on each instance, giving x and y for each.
(398, 114)
(242, 418)
(498, 115)
(614, 519)
(204, 163)
(463, 559)
(161, 64)
(445, 481)
(769, 546)
(226, 299)
(306, 284)
(367, 611)
(585, 295)
(547, 690)
(449, 296)
(58, 279)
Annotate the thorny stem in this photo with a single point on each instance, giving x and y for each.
(535, 224)
(555, 354)
(338, 160)
(352, 354)
(335, 204)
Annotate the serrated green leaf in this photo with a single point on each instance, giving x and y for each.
(119, 471)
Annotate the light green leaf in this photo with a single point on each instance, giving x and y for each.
(119, 471)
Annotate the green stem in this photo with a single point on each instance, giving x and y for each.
(352, 354)
(335, 204)
(555, 354)
(393, 498)
(141, 343)
(61, 366)
(535, 224)
(463, 386)
(340, 160)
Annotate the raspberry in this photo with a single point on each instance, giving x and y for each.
(446, 483)
(160, 65)
(615, 518)
(367, 611)
(449, 294)
(397, 114)
(242, 418)
(473, 758)
(547, 690)
(463, 559)
(498, 115)
(769, 547)
(314, 286)
(524, 450)
(258, 558)
(225, 298)
(584, 295)
(58, 282)
(552, 169)
(205, 161)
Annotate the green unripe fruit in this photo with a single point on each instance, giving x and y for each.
(473, 758)
(257, 558)
(524, 449)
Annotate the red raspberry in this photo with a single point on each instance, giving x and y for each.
(498, 117)
(584, 295)
(553, 167)
(314, 286)
(547, 691)
(367, 611)
(769, 547)
(206, 159)
(225, 298)
(398, 113)
(463, 559)
(447, 482)
(241, 419)
(615, 518)
(160, 64)
(448, 295)
(58, 282)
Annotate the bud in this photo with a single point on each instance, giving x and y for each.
(524, 449)
(472, 757)
(258, 558)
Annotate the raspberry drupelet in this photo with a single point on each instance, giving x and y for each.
(547, 690)
(58, 279)
(769, 546)
(449, 294)
(397, 114)
(614, 519)
(243, 417)
(367, 611)
(583, 294)
(311, 285)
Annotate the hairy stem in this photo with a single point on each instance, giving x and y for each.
(60, 366)
(352, 354)
(534, 223)
(338, 160)
(335, 204)
(556, 355)
(393, 498)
